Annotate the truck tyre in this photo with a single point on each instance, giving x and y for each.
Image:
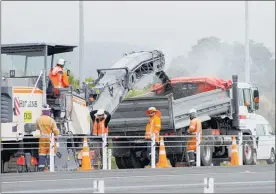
(206, 153)
(120, 162)
(128, 162)
(132, 161)
(249, 154)
(271, 160)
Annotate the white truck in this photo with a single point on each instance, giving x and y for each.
(225, 108)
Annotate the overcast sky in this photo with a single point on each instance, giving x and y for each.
(170, 26)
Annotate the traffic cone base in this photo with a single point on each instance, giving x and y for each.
(85, 161)
(234, 154)
(164, 165)
(163, 161)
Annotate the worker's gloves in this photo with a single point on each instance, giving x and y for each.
(186, 133)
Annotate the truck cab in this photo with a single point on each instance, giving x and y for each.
(254, 124)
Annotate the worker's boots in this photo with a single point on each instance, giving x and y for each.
(191, 158)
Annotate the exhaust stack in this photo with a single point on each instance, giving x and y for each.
(235, 92)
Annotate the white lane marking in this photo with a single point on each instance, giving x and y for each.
(137, 187)
(188, 185)
(124, 177)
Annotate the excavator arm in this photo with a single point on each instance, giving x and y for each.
(113, 84)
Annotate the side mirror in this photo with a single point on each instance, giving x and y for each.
(256, 99)
(12, 73)
(256, 94)
(68, 72)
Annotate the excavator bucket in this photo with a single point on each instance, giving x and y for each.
(65, 159)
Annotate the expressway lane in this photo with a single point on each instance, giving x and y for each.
(244, 179)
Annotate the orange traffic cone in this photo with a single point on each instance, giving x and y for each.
(234, 153)
(163, 162)
(85, 161)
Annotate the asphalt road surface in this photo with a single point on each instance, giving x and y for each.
(240, 179)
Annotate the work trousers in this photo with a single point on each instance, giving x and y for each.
(98, 152)
(44, 154)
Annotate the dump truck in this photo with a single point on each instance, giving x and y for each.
(225, 108)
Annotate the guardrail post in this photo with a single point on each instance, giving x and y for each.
(197, 149)
(104, 150)
(153, 150)
(98, 186)
(208, 185)
(240, 149)
(52, 152)
(109, 158)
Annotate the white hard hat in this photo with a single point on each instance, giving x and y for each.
(100, 112)
(152, 109)
(46, 107)
(192, 111)
(61, 61)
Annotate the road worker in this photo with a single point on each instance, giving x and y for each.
(46, 125)
(100, 120)
(153, 126)
(59, 80)
(58, 77)
(195, 126)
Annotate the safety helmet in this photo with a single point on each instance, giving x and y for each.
(192, 111)
(46, 110)
(100, 112)
(45, 107)
(193, 114)
(151, 109)
(61, 62)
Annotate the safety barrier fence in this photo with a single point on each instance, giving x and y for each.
(102, 143)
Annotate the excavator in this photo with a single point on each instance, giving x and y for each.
(26, 88)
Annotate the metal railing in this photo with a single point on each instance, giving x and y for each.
(135, 141)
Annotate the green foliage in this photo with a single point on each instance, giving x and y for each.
(136, 92)
(73, 81)
(133, 93)
(76, 83)
(89, 80)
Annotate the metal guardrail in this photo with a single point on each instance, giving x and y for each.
(106, 152)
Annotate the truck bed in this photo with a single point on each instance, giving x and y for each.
(130, 115)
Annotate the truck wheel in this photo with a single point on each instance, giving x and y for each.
(132, 161)
(128, 162)
(120, 162)
(271, 160)
(249, 154)
(206, 154)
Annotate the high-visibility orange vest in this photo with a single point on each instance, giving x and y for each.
(153, 126)
(195, 126)
(58, 78)
(65, 80)
(99, 128)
